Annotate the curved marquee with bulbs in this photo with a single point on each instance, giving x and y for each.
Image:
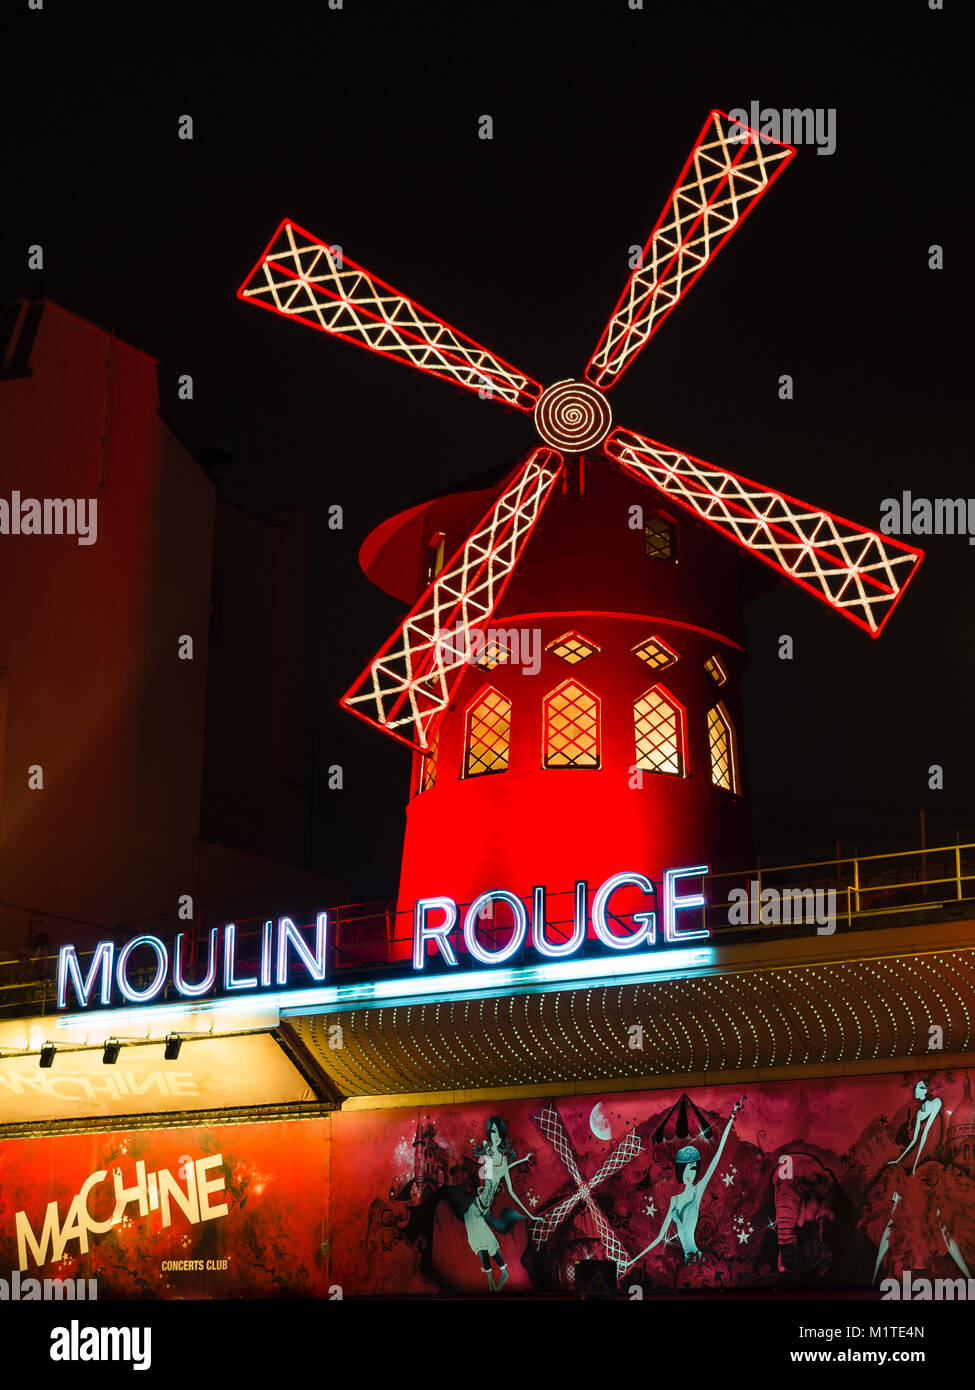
(409, 684)
(764, 1009)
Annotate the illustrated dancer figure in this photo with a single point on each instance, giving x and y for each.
(497, 1160)
(685, 1206)
(923, 1151)
(927, 1112)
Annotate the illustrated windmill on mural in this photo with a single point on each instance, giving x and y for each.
(629, 581)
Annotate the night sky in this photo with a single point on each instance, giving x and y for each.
(361, 125)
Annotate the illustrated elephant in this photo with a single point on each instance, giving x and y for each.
(814, 1220)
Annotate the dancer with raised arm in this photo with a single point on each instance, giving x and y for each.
(685, 1206)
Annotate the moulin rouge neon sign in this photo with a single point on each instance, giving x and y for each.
(534, 923)
(112, 976)
(110, 969)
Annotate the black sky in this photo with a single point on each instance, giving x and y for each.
(361, 124)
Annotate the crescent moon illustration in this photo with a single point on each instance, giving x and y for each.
(599, 1123)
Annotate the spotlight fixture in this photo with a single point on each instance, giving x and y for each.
(47, 1055)
(173, 1044)
(111, 1051)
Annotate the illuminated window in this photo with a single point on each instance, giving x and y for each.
(655, 652)
(660, 537)
(572, 647)
(721, 737)
(488, 734)
(494, 654)
(435, 547)
(428, 767)
(659, 725)
(571, 736)
(715, 670)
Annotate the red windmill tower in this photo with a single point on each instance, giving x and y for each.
(611, 743)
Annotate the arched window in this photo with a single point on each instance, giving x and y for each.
(715, 669)
(571, 727)
(658, 721)
(428, 765)
(724, 755)
(488, 734)
(434, 563)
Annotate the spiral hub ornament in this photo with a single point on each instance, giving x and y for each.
(573, 416)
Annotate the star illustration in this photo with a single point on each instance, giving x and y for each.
(728, 1178)
(743, 1235)
(649, 1209)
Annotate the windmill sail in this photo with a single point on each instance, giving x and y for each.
(727, 171)
(859, 573)
(406, 688)
(303, 278)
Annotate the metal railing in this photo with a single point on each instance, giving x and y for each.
(372, 938)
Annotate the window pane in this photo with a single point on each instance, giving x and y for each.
(571, 736)
(720, 738)
(659, 736)
(488, 734)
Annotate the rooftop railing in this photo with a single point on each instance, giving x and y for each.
(756, 904)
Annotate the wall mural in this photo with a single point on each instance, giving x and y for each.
(837, 1183)
(216, 1212)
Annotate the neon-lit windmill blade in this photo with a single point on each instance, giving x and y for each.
(723, 179)
(303, 278)
(857, 571)
(407, 687)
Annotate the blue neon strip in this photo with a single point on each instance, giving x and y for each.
(409, 990)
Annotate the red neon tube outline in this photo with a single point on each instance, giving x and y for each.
(528, 395)
(598, 379)
(894, 594)
(394, 637)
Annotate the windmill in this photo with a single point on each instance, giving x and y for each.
(414, 688)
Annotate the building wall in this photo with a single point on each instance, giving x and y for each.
(253, 1222)
(96, 694)
(799, 1177)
